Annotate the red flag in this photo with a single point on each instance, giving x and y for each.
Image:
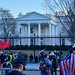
(5, 44)
(67, 65)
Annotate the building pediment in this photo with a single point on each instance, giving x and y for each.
(33, 16)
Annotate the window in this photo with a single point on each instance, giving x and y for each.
(31, 41)
(41, 30)
(32, 30)
(63, 41)
(63, 29)
(20, 30)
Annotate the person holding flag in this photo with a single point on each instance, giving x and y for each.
(39, 54)
(67, 65)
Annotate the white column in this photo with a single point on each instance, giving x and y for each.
(46, 39)
(39, 33)
(23, 30)
(53, 34)
(29, 34)
(49, 29)
(28, 30)
(18, 29)
(50, 34)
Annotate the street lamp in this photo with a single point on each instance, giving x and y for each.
(60, 41)
(34, 45)
(10, 39)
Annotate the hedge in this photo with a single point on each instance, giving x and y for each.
(37, 47)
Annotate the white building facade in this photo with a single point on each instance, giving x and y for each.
(39, 25)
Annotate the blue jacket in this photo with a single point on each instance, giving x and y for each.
(48, 62)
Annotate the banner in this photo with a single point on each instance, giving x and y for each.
(38, 54)
(5, 44)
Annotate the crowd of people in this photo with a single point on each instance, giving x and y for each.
(48, 62)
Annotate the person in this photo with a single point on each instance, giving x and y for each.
(43, 68)
(45, 65)
(18, 65)
(20, 56)
(8, 60)
(69, 58)
(36, 59)
(55, 52)
(31, 58)
(70, 51)
(54, 66)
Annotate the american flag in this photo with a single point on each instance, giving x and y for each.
(67, 65)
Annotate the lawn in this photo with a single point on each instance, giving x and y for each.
(28, 52)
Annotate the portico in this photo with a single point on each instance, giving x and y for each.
(35, 23)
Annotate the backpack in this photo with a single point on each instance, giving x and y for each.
(42, 66)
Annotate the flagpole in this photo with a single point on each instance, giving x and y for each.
(46, 6)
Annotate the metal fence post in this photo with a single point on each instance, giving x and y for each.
(60, 42)
(34, 45)
(5, 68)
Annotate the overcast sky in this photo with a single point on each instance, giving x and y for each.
(23, 6)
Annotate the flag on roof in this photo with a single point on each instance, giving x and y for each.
(67, 65)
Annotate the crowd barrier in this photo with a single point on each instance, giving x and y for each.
(2, 70)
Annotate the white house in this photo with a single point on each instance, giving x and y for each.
(39, 25)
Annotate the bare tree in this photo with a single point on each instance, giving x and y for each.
(68, 9)
(7, 24)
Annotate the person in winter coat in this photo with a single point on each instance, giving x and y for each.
(18, 65)
(45, 65)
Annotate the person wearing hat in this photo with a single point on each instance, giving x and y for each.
(18, 66)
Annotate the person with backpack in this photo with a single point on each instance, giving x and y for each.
(45, 65)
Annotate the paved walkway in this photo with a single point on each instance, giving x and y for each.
(32, 72)
(32, 66)
(32, 69)
(36, 73)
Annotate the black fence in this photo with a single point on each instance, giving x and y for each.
(31, 43)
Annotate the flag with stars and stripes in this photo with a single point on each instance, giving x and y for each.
(67, 65)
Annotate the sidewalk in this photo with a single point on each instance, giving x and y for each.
(34, 66)
(36, 73)
(33, 69)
